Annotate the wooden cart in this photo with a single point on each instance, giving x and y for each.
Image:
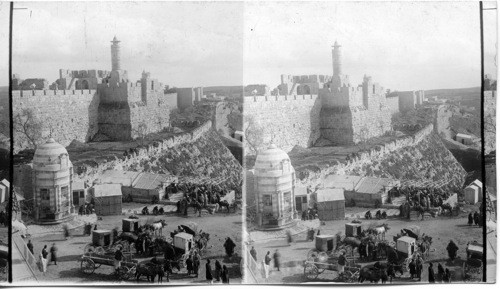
(324, 245)
(91, 261)
(314, 267)
(130, 225)
(104, 241)
(473, 267)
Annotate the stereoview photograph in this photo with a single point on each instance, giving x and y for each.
(127, 122)
(363, 149)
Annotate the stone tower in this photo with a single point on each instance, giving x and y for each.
(115, 55)
(337, 62)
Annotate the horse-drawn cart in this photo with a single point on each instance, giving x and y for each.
(325, 257)
(473, 267)
(91, 261)
(105, 241)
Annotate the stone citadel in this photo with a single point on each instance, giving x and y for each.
(84, 104)
(305, 109)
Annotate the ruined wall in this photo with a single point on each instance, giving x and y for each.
(66, 114)
(185, 97)
(285, 120)
(421, 157)
(198, 155)
(489, 120)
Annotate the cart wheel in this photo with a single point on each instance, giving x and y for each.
(124, 272)
(89, 248)
(311, 271)
(87, 266)
(312, 254)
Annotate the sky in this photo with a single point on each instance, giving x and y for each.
(403, 46)
(4, 43)
(180, 44)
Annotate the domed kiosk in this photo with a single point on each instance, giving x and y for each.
(52, 181)
(274, 185)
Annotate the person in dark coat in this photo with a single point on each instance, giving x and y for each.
(253, 252)
(229, 246)
(208, 272)
(412, 269)
(471, 219)
(189, 265)
(431, 274)
(277, 259)
(218, 270)
(196, 263)
(476, 218)
(452, 250)
(440, 274)
(53, 254)
(225, 275)
(30, 247)
(419, 264)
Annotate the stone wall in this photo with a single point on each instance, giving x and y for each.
(393, 104)
(285, 120)
(421, 156)
(67, 115)
(489, 120)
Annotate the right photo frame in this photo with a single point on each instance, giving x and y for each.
(369, 135)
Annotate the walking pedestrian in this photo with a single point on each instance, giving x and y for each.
(208, 272)
(30, 247)
(289, 237)
(277, 259)
(253, 252)
(419, 264)
(431, 274)
(53, 254)
(225, 275)
(452, 249)
(476, 218)
(218, 270)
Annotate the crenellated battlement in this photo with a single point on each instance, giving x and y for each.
(274, 98)
(38, 93)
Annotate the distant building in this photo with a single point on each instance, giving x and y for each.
(463, 138)
(331, 204)
(474, 192)
(107, 199)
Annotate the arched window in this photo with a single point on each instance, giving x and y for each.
(85, 84)
(307, 89)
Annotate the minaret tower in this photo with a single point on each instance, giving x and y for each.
(115, 55)
(337, 62)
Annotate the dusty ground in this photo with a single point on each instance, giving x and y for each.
(219, 226)
(442, 229)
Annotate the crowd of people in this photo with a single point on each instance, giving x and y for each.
(417, 196)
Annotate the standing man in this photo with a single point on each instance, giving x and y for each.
(44, 255)
(341, 263)
(431, 274)
(208, 272)
(118, 258)
(267, 262)
(253, 252)
(53, 254)
(196, 263)
(30, 247)
(452, 250)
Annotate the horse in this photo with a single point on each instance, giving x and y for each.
(447, 207)
(368, 215)
(372, 274)
(224, 204)
(149, 270)
(202, 240)
(158, 226)
(379, 231)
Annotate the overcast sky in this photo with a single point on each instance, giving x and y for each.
(4, 43)
(403, 46)
(181, 44)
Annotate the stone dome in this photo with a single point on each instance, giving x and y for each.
(51, 156)
(272, 162)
